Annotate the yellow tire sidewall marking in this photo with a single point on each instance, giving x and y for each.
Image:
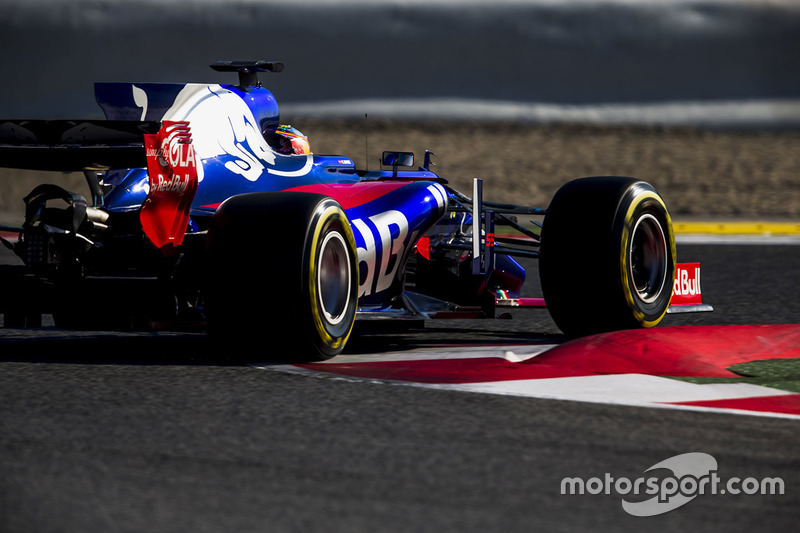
(624, 262)
(328, 211)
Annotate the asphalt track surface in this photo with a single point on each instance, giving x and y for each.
(154, 433)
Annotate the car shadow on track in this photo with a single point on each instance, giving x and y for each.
(368, 339)
(48, 345)
(57, 346)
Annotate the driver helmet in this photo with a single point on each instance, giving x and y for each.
(288, 140)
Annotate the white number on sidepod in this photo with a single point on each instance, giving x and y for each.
(391, 250)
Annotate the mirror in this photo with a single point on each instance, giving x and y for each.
(398, 159)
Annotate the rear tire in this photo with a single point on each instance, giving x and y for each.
(607, 256)
(282, 278)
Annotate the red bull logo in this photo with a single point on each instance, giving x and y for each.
(172, 167)
(686, 289)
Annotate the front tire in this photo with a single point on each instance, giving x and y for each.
(607, 256)
(282, 275)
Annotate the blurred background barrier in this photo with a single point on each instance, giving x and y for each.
(732, 62)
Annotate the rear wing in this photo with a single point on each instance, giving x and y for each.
(74, 145)
(92, 146)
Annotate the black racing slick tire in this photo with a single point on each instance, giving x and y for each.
(607, 257)
(282, 277)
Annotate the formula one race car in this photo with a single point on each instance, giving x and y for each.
(205, 209)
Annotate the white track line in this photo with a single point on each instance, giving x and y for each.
(514, 354)
(621, 388)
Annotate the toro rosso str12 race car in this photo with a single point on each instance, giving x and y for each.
(204, 209)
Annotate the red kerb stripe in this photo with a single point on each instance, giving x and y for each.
(786, 403)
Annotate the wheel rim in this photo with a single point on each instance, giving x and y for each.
(333, 278)
(648, 258)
